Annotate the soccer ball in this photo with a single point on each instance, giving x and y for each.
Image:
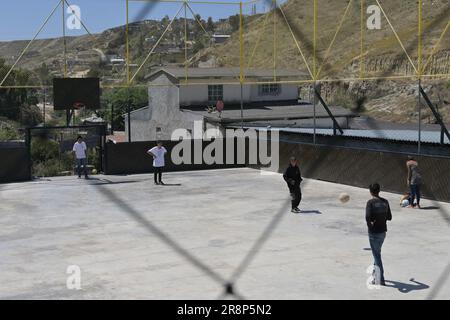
(94, 171)
(344, 197)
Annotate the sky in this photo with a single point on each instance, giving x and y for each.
(21, 19)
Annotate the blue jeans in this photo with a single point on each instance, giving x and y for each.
(376, 242)
(81, 162)
(414, 194)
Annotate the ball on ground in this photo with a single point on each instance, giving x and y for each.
(344, 197)
(94, 171)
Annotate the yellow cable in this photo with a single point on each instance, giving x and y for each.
(193, 2)
(241, 45)
(64, 38)
(185, 43)
(315, 40)
(398, 38)
(29, 43)
(419, 45)
(363, 20)
(341, 23)
(127, 42)
(193, 14)
(436, 47)
(258, 41)
(306, 81)
(274, 41)
(156, 44)
(296, 42)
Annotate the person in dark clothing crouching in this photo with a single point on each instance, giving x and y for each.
(293, 178)
(378, 212)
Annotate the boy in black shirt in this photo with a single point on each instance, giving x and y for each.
(293, 178)
(377, 213)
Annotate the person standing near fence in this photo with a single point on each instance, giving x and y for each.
(293, 178)
(79, 148)
(158, 153)
(378, 212)
(414, 182)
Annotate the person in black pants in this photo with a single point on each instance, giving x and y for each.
(158, 153)
(377, 213)
(293, 178)
(414, 182)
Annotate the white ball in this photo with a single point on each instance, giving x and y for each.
(344, 197)
(405, 203)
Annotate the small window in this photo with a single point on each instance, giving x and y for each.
(158, 133)
(271, 89)
(215, 93)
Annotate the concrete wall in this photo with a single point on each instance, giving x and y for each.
(163, 113)
(131, 158)
(198, 94)
(288, 92)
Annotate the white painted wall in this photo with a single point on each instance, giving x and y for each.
(288, 92)
(198, 94)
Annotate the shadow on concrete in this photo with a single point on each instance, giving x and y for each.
(310, 212)
(98, 181)
(407, 287)
(171, 185)
(430, 208)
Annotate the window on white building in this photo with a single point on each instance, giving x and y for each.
(215, 93)
(270, 89)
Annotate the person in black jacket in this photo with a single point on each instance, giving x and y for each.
(293, 178)
(378, 212)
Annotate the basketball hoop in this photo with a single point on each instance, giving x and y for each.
(78, 105)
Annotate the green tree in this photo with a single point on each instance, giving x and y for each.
(120, 99)
(165, 21)
(210, 27)
(234, 22)
(198, 23)
(44, 74)
(12, 99)
(31, 116)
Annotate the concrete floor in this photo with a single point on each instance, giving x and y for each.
(121, 231)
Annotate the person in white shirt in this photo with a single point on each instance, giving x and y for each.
(79, 148)
(158, 154)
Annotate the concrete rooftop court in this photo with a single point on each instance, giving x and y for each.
(119, 231)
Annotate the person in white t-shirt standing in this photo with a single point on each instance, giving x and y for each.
(79, 148)
(158, 153)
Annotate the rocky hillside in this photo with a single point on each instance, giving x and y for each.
(382, 54)
(94, 53)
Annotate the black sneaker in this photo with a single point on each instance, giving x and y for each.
(156, 183)
(161, 183)
(295, 210)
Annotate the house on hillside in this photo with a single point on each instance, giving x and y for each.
(174, 104)
(220, 38)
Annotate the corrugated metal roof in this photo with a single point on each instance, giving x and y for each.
(398, 135)
(233, 72)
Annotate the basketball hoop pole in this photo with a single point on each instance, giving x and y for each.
(68, 117)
